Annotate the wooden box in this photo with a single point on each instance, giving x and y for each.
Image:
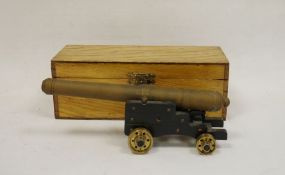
(175, 66)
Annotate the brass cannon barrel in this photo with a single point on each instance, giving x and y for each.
(186, 98)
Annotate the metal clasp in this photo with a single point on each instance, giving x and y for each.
(137, 78)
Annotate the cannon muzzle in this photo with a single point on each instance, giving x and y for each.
(185, 98)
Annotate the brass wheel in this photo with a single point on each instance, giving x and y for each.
(140, 141)
(206, 143)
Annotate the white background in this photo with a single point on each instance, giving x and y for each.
(251, 33)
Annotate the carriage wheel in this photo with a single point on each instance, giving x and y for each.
(206, 143)
(140, 141)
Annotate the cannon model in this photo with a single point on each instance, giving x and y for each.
(152, 111)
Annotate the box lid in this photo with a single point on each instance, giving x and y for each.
(141, 54)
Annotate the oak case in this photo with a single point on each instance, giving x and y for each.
(174, 66)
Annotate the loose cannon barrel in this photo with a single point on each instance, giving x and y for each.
(186, 98)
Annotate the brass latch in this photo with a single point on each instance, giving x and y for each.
(137, 78)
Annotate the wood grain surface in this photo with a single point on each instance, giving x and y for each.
(141, 54)
(120, 70)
